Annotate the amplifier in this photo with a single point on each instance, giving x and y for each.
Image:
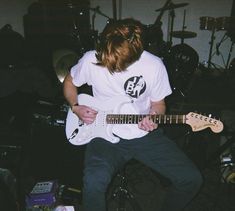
(50, 114)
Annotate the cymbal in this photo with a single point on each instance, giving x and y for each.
(63, 60)
(183, 34)
(172, 6)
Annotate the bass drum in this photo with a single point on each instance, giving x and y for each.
(181, 64)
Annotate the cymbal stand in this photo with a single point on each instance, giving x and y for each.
(211, 47)
(171, 25)
(183, 27)
(229, 55)
(75, 32)
(217, 51)
(114, 3)
(94, 32)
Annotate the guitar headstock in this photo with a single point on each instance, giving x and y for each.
(200, 122)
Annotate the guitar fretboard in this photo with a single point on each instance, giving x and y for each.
(134, 119)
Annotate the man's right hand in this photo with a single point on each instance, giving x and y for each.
(85, 113)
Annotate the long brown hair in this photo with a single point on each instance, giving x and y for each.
(120, 45)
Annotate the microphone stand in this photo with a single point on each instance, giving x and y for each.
(171, 24)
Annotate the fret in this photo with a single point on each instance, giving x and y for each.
(156, 119)
(121, 119)
(136, 119)
(115, 119)
(124, 119)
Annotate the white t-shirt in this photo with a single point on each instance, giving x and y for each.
(144, 81)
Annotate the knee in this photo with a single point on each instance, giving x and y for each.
(96, 180)
(191, 181)
(196, 179)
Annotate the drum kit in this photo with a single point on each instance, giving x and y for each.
(216, 24)
(181, 60)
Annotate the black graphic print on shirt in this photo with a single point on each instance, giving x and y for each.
(135, 86)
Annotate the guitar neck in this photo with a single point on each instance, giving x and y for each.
(134, 119)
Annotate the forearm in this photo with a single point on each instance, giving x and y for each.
(70, 91)
(158, 107)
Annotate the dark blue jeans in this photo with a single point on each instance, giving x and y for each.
(103, 159)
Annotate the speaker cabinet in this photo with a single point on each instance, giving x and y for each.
(50, 25)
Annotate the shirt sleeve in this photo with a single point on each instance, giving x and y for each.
(81, 71)
(161, 85)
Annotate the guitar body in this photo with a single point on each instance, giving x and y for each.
(79, 133)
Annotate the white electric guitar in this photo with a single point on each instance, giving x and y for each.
(111, 113)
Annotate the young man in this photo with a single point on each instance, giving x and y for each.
(120, 67)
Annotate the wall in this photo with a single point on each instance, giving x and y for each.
(12, 11)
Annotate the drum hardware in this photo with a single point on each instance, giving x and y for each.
(231, 28)
(171, 17)
(74, 29)
(211, 47)
(181, 63)
(216, 24)
(93, 31)
(225, 37)
(229, 57)
(97, 10)
(153, 35)
(172, 6)
(208, 23)
(222, 23)
(232, 66)
(211, 23)
(183, 34)
(219, 44)
(114, 4)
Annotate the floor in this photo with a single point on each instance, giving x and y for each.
(46, 155)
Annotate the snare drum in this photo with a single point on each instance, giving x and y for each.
(222, 23)
(207, 23)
